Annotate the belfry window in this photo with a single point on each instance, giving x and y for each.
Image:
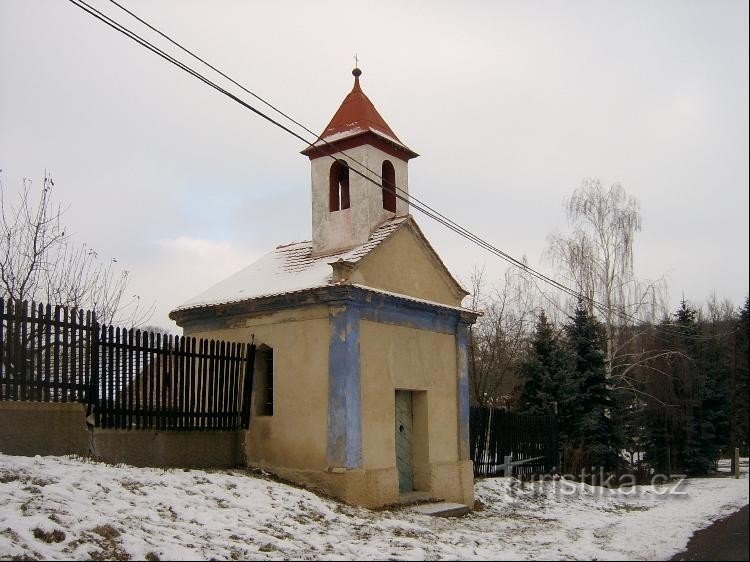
(389, 186)
(339, 186)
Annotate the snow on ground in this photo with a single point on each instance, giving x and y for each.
(67, 508)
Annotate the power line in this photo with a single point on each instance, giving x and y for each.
(431, 213)
(411, 200)
(307, 129)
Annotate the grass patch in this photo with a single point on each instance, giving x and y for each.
(8, 476)
(48, 536)
(106, 531)
(42, 482)
(132, 485)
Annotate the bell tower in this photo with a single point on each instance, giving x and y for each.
(356, 145)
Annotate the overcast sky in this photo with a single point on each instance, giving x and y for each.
(509, 104)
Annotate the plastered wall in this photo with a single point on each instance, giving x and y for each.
(297, 442)
(402, 264)
(396, 357)
(42, 428)
(350, 227)
(296, 434)
(169, 449)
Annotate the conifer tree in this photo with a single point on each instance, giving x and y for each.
(545, 375)
(596, 430)
(701, 387)
(690, 457)
(740, 388)
(714, 378)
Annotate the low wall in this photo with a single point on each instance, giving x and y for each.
(183, 449)
(43, 428)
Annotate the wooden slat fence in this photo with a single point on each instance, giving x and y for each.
(43, 352)
(496, 435)
(129, 379)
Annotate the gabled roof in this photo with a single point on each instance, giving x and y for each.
(435, 257)
(286, 269)
(293, 268)
(357, 117)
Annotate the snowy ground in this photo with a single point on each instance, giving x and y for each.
(64, 508)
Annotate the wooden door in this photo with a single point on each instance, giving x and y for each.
(404, 425)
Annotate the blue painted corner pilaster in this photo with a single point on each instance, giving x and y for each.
(462, 343)
(344, 447)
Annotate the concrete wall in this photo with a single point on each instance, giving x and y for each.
(338, 230)
(40, 428)
(295, 436)
(404, 264)
(184, 449)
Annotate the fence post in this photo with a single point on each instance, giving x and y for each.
(93, 397)
(3, 371)
(247, 388)
(12, 377)
(25, 372)
(508, 466)
(736, 463)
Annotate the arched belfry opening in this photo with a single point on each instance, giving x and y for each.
(338, 186)
(388, 175)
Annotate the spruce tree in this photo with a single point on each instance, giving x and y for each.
(545, 375)
(741, 388)
(595, 429)
(687, 454)
(715, 374)
(704, 393)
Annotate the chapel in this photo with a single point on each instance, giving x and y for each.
(361, 371)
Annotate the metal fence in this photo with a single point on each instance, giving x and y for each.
(504, 443)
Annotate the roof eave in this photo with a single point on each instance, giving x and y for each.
(329, 148)
(328, 294)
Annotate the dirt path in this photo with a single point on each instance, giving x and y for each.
(726, 539)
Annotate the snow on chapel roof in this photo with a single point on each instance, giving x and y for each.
(287, 269)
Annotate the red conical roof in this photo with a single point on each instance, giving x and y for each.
(357, 117)
(357, 112)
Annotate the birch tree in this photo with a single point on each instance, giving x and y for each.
(597, 258)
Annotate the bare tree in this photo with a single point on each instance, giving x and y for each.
(718, 310)
(499, 337)
(597, 257)
(39, 261)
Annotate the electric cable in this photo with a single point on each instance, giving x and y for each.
(409, 199)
